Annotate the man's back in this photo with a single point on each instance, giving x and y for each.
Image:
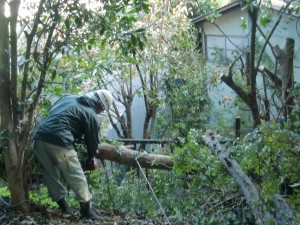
(67, 121)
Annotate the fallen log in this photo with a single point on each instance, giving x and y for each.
(123, 155)
(282, 214)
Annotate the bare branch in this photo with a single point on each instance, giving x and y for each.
(271, 32)
(28, 48)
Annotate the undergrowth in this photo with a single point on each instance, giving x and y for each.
(178, 198)
(190, 199)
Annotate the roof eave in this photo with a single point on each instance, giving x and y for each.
(221, 10)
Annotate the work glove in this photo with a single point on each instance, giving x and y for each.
(89, 164)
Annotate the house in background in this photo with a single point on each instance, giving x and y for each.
(222, 40)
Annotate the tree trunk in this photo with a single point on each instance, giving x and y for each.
(286, 57)
(17, 187)
(9, 135)
(129, 157)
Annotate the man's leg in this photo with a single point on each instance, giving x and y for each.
(51, 174)
(75, 176)
(51, 171)
(67, 161)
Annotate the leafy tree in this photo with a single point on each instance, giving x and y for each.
(54, 29)
(159, 50)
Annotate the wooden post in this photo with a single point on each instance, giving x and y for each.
(238, 127)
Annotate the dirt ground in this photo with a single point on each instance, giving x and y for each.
(55, 217)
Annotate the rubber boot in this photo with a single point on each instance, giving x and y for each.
(87, 212)
(64, 207)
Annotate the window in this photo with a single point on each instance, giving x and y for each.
(220, 48)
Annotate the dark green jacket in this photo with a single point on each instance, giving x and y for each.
(70, 118)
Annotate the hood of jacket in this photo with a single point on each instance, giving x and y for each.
(84, 100)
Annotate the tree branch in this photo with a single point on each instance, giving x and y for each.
(237, 89)
(47, 55)
(29, 38)
(272, 31)
(275, 79)
(14, 9)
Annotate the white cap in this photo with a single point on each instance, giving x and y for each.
(102, 97)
